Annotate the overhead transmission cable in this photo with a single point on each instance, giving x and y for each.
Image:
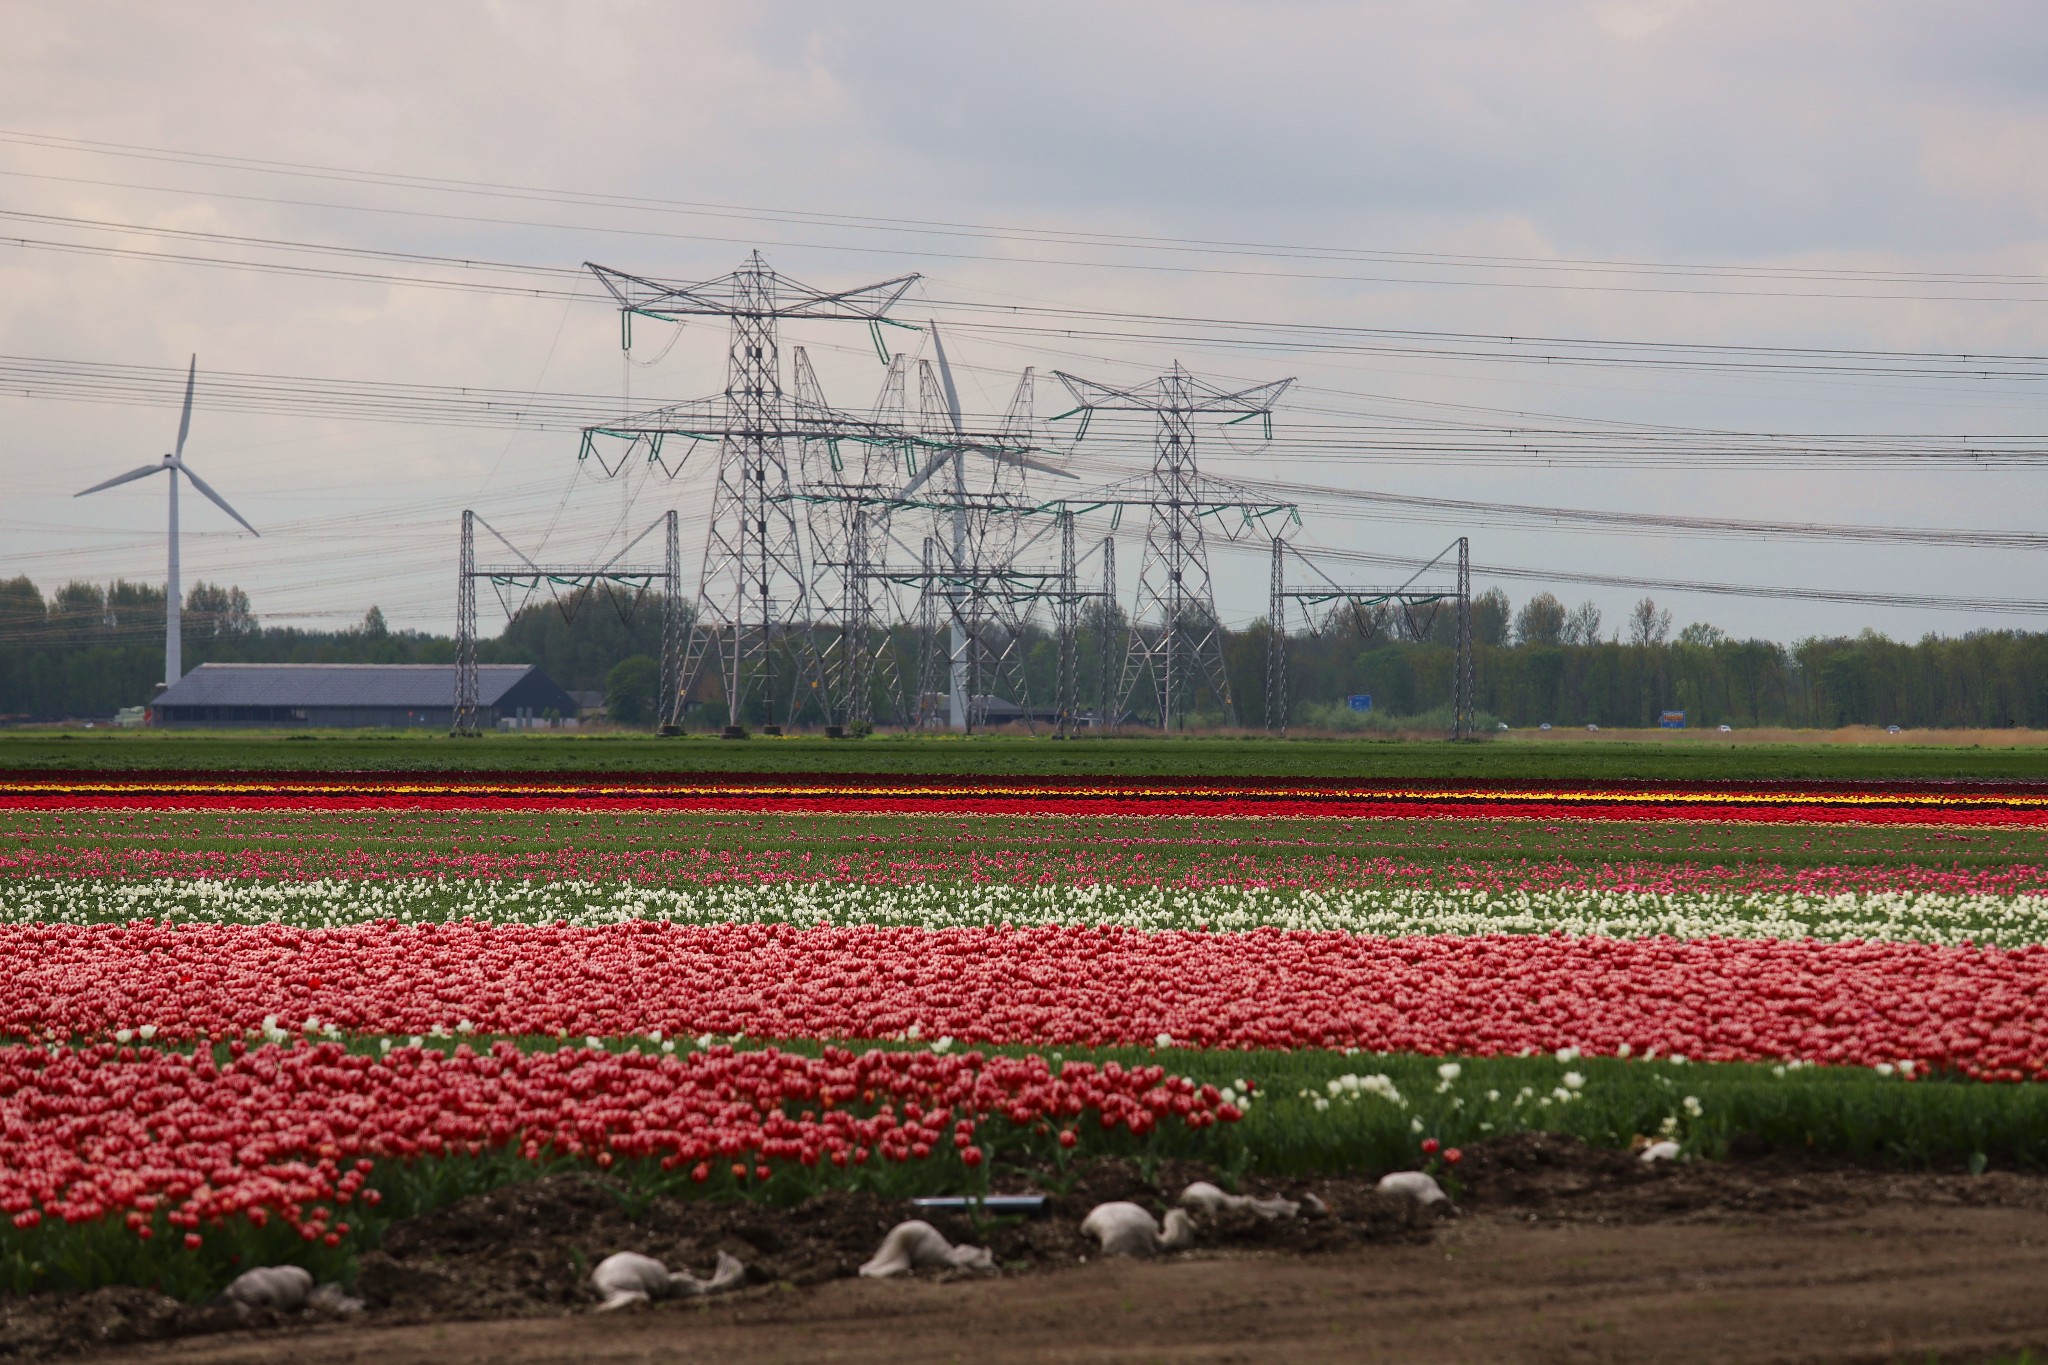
(2008, 606)
(1533, 445)
(559, 283)
(1461, 511)
(1013, 234)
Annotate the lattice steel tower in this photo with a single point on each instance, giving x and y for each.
(848, 492)
(753, 593)
(1183, 649)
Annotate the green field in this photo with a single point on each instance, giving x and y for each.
(1693, 757)
(654, 848)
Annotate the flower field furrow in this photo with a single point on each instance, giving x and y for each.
(95, 1132)
(219, 989)
(1057, 864)
(2006, 921)
(1982, 1012)
(1958, 804)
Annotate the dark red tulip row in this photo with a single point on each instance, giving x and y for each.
(99, 1132)
(1981, 1012)
(1957, 804)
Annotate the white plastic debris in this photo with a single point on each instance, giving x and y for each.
(1125, 1229)
(284, 1288)
(1202, 1197)
(917, 1245)
(1664, 1150)
(626, 1277)
(328, 1298)
(1415, 1186)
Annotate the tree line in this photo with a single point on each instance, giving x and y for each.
(1544, 663)
(89, 649)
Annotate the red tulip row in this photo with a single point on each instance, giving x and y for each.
(1982, 1012)
(1959, 804)
(100, 1132)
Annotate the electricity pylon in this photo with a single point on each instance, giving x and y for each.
(848, 492)
(1182, 646)
(1370, 610)
(520, 577)
(753, 593)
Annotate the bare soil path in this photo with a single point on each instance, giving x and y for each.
(1717, 1264)
(1889, 1284)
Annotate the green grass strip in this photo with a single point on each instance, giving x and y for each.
(1690, 757)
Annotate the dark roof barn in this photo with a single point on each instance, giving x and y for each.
(355, 695)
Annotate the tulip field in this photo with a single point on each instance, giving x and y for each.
(262, 1015)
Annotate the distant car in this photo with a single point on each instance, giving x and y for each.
(1592, 727)
(1544, 726)
(1727, 729)
(1891, 729)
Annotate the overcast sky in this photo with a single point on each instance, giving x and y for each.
(1900, 146)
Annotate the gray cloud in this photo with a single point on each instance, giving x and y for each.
(1841, 135)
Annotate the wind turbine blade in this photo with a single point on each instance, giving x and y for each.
(938, 462)
(185, 420)
(218, 500)
(1021, 462)
(946, 379)
(129, 477)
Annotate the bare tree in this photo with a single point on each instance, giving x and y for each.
(1648, 624)
(1582, 627)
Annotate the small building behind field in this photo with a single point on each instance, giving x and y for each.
(359, 696)
(994, 711)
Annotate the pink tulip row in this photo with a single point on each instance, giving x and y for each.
(1981, 1012)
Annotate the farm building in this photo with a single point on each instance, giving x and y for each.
(359, 696)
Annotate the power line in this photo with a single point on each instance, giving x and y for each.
(287, 244)
(995, 234)
(1147, 328)
(279, 268)
(1459, 511)
(307, 396)
(2005, 606)
(472, 406)
(1544, 350)
(1557, 442)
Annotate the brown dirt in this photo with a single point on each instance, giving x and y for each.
(1563, 1253)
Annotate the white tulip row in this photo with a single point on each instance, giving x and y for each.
(1918, 916)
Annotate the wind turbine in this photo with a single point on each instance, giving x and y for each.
(174, 465)
(956, 456)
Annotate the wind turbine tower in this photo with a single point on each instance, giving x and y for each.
(174, 465)
(983, 522)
